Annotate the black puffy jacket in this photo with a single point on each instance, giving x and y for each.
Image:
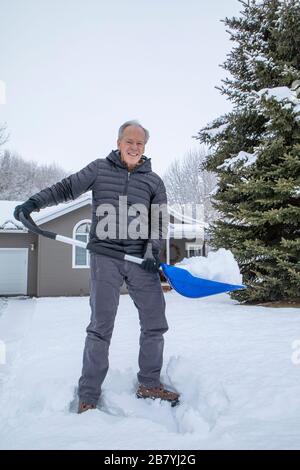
(109, 178)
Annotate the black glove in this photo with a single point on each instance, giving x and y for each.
(27, 207)
(151, 260)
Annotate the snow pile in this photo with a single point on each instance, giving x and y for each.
(236, 367)
(219, 266)
(203, 398)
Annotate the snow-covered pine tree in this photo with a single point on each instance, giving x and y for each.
(256, 150)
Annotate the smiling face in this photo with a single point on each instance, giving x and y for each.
(132, 145)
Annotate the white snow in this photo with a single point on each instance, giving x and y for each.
(279, 93)
(192, 225)
(214, 191)
(7, 211)
(283, 94)
(219, 266)
(11, 225)
(296, 191)
(217, 130)
(245, 157)
(188, 231)
(250, 158)
(236, 367)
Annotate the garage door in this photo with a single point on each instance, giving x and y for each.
(13, 271)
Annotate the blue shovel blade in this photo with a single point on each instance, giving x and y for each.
(191, 286)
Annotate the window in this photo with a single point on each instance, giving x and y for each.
(81, 258)
(193, 249)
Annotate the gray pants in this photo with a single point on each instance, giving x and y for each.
(107, 276)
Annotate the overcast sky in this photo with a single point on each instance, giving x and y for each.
(75, 70)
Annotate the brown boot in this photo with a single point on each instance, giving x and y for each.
(84, 407)
(158, 392)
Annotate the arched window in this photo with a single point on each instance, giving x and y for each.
(81, 258)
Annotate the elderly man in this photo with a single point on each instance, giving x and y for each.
(125, 172)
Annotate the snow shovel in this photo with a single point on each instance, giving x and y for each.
(179, 279)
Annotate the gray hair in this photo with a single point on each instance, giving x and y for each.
(136, 124)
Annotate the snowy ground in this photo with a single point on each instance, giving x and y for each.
(232, 364)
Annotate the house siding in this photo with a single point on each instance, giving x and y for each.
(178, 249)
(56, 277)
(50, 271)
(178, 245)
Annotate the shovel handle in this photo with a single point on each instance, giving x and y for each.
(102, 250)
(32, 227)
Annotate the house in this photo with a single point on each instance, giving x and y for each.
(186, 238)
(33, 265)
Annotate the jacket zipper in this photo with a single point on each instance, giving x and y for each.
(126, 185)
(125, 194)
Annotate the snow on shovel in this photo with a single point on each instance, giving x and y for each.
(180, 279)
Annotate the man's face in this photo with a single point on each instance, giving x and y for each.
(132, 145)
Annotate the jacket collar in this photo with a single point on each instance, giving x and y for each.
(143, 167)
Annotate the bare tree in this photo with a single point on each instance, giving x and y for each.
(3, 135)
(19, 179)
(186, 182)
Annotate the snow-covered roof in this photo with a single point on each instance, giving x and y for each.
(186, 230)
(178, 212)
(9, 223)
(7, 220)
